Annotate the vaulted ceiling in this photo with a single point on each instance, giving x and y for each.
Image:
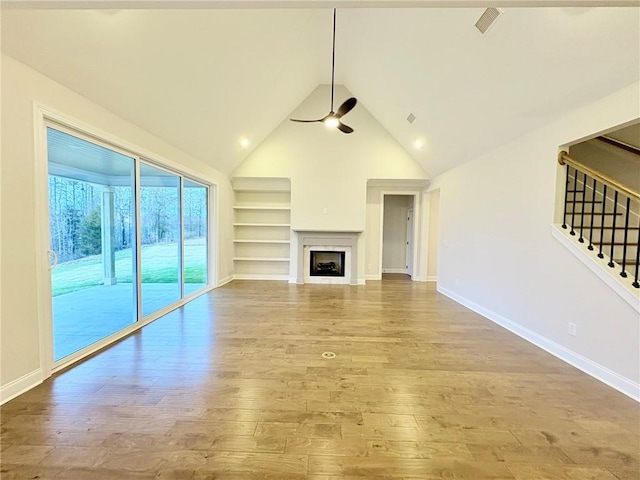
(202, 79)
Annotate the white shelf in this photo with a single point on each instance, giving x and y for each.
(261, 224)
(241, 240)
(243, 207)
(261, 184)
(260, 259)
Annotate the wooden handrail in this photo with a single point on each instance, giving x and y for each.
(565, 159)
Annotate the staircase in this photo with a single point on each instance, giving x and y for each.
(604, 215)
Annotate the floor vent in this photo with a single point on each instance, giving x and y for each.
(487, 19)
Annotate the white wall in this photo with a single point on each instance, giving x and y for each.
(328, 169)
(497, 254)
(434, 234)
(394, 236)
(21, 87)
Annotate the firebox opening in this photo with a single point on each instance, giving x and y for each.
(326, 264)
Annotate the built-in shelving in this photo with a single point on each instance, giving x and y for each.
(262, 228)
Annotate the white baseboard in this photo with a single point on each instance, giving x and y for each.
(20, 385)
(361, 281)
(373, 277)
(432, 279)
(248, 276)
(225, 280)
(597, 371)
(394, 270)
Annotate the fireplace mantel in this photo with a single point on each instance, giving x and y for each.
(337, 238)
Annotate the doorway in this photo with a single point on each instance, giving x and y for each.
(398, 234)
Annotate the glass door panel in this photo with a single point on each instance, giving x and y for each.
(92, 232)
(195, 236)
(160, 238)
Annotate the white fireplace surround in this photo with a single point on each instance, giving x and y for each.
(327, 240)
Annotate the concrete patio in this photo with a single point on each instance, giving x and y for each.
(86, 316)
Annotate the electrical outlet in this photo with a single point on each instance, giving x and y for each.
(572, 329)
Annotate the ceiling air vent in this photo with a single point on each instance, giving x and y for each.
(487, 19)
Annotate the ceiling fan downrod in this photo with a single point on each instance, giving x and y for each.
(332, 119)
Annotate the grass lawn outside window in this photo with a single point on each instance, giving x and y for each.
(87, 272)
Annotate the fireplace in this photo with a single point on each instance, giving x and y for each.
(326, 263)
(342, 246)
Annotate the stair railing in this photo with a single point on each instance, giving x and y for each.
(605, 213)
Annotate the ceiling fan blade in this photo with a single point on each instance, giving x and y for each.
(344, 128)
(346, 106)
(304, 121)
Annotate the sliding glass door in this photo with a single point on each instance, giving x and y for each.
(160, 238)
(195, 200)
(92, 232)
(98, 245)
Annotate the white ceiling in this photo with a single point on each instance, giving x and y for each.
(202, 79)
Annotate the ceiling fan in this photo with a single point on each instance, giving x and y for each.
(332, 119)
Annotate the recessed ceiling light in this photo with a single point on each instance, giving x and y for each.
(244, 142)
(418, 143)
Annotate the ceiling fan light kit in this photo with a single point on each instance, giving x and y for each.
(332, 119)
(331, 122)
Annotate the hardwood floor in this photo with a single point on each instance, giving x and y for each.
(233, 386)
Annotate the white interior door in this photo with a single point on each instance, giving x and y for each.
(409, 254)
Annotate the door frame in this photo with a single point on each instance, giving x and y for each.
(416, 229)
(44, 116)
